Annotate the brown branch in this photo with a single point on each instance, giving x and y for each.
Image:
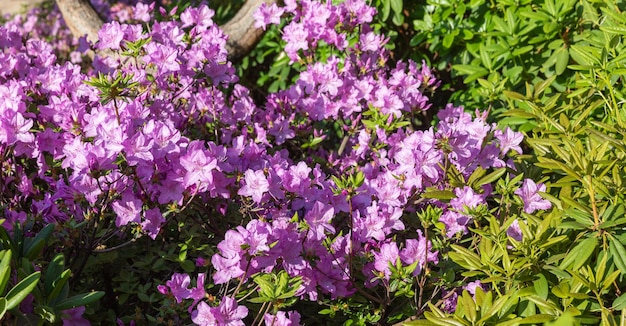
(242, 36)
(82, 19)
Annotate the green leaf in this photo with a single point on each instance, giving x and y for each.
(485, 57)
(386, 10)
(439, 194)
(514, 95)
(614, 29)
(469, 307)
(491, 177)
(58, 285)
(578, 256)
(21, 290)
(562, 59)
(5, 269)
(620, 302)
(448, 40)
(33, 248)
(53, 272)
(79, 300)
(566, 319)
(420, 322)
(536, 319)
(3, 307)
(396, 6)
(618, 252)
(585, 55)
(541, 286)
(470, 70)
(465, 258)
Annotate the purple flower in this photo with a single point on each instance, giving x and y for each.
(450, 301)
(142, 11)
(162, 56)
(201, 16)
(454, 222)
(509, 140)
(472, 286)
(199, 166)
(74, 317)
(296, 38)
(265, 15)
(514, 231)
(198, 293)
(389, 254)
(179, 284)
(281, 318)
(128, 210)
(529, 192)
(256, 185)
(418, 250)
(466, 197)
(319, 218)
(228, 313)
(110, 36)
(204, 315)
(153, 220)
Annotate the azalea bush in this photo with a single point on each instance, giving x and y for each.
(176, 195)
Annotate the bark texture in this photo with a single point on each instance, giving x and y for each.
(82, 19)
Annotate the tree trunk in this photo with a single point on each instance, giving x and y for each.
(82, 19)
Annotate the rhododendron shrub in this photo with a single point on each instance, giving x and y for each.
(158, 129)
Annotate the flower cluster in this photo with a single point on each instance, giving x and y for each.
(165, 124)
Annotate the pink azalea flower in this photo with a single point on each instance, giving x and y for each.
(256, 185)
(265, 15)
(529, 192)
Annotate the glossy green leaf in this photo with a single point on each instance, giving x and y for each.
(53, 272)
(579, 255)
(79, 300)
(5, 269)
(3, 307)
(21, 290)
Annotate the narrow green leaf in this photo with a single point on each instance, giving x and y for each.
(485, 57)
(386, 10)
(469, 307)
(585, 55)
(5, 271)
(33, 248)
(514, 95)
(609, 279)
(562, 60)
(396, 6)
(58, 284)
(541, 286)
(53, 272)
(79, 300)
(470, 69)
(439, 194)
(491, 177)
(3, 307)
(578, 256)
(618, 252)
(620, 302)
(21, 290)
(614, 29)
(541, 86)
(536, 319)
(419, 322)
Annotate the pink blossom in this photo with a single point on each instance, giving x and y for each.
(267, 14)
(256, 185)
(529, 192)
